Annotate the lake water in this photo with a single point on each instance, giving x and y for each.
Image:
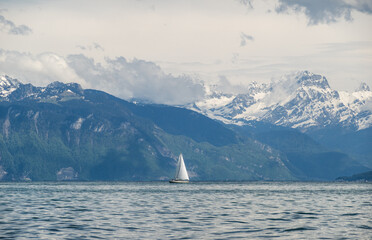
(160, 210)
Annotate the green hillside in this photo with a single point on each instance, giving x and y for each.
(99, 137)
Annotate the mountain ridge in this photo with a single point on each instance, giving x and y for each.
(302, 100)
(62, 131)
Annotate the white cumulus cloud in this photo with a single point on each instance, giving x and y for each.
(39, 70)
(137, 79)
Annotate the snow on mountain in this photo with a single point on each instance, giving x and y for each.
(7, 85)
(302, 100)
(13, 90)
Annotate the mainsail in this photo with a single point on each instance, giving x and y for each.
(181, 172)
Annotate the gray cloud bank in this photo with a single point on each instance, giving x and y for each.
(9, 27)
(135, 79)
(325, 11)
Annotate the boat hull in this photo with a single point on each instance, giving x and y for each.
(178, 181)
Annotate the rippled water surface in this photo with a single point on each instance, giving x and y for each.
(191, 211)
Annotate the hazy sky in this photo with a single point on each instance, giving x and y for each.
(160, 50)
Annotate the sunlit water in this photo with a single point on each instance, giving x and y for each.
(191, 211)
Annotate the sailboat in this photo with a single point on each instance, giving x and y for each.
(181, 175)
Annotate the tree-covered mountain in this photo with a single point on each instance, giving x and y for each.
(65, 132)
(355, 143)
(365, 177)
(307, 158)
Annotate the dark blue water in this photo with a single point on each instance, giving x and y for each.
(187, 211)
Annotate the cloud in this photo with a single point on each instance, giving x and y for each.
(39, 70)
(244, 38)
(135, 79)
(342, 47)
(325, 11)
(98, 47)
(235, 58)
(224, 85)
(367, 105)
(81, 47)
(11, 28)
(247, 3)
(94, 46)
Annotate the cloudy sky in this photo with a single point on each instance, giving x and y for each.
(162, 50)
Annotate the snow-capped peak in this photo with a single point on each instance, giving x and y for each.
(6, 81)
(8, 85)
(363, 87)
(13, 90)
(299, 100)
(302, 78)
(307, 78)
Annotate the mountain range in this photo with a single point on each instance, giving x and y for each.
(65, 132)
(302, 100)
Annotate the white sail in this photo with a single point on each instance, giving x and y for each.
(181, 172)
